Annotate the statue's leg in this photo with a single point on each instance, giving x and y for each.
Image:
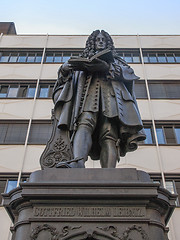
(108, 140)
(109, 155)
(82, 141)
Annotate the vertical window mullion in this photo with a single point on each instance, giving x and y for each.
(62, 56)
(9, 56)
(6, 132)
(48, 91)
(148, 57)
(18, 90)
(8, 90)
(17, 57)
(173, 127)
(164, 135)
(174, 57)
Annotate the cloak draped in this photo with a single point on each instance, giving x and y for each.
(71, 97)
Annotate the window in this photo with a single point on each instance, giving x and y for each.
(30, 92)
(13, 57)
(177, 186)
(128, 57)
(45, 90)
(3, 91)
(49, 57)
(8, 183)
(2, 187)
(20, 57)
(177, 133)
(40, 133)
(17, 91)
(152, 58)
(169, 135)
(13, 91)
(160, 135)
(13, 133)
(161, 56)
(11, 184)
(166, 134)
(66, 56)
(145, 58)
(149, 138)
(177, 57)
(170, 57)
(164, 90)
(131, 56)
(31, 57)
(158, 89)
(59, 57)
(4, 57)
(38, 57)
(26, 90)
(172, 187)
(140, 89)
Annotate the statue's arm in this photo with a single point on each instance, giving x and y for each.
(64, 75)
(123, 72)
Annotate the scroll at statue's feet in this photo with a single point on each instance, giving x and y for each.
(74, 163)
(79, 164)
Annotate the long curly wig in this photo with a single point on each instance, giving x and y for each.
(90, 50)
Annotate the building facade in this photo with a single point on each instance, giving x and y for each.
(28, 71)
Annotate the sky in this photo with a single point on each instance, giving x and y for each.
(84, 16)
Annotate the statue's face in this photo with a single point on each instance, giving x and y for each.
(100, 42)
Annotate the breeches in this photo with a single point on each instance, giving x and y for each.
(106, 127)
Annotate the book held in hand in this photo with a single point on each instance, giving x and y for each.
(105, 55)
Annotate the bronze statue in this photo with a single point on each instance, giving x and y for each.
(96, 105)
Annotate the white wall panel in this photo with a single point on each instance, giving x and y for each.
(163, 71)
(171, 158)
(144, 109)
(5, 224)
(49, 71)
(11, 157)
(124, 41)
(68, 41)
(78, 41)
(166, 109)
(15, 108)
(19, 71)
(144, 158)
(23, 41)
(174, 225)
(155, 41)
(33, 154)
(138, 69)
(43, 109)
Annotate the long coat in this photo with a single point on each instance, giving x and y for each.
(80, 91)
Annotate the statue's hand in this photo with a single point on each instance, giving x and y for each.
(66, 68)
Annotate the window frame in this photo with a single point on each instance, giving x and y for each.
(27, 52)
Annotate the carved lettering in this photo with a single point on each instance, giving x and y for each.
(128, 212)
(89, 212)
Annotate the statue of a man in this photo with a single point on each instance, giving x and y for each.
(97, 105)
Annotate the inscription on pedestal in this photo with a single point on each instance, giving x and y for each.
(88, 212)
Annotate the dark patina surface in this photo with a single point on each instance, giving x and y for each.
(95, 111)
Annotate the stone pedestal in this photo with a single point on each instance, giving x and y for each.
(75, 204)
